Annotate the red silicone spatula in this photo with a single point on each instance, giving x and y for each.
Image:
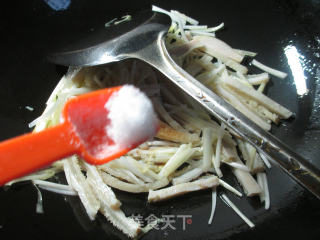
(82, 132)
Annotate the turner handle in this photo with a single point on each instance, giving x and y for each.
(27, 153)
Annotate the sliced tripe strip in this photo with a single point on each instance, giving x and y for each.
(253, 160)
(268, 69)
(263, 183)
(252, 154)
(241, 78)
(239, 88)
(239, 166)
(260, 110)
(186, 48)
(109, 204)
(258, 78)
(104, 192)
(207, 138)
(168, 133)
(188, 176)
(245, 52)
(258, 165)
(228, 62)
(216, 160)
(208, 77)
(119, 220)
(245, 153)
(156, 156)
(248, 183)
(264, 112)
(121, 174)
(234, 65)
(152, 155)
(229, 152)
(246, 180)
(234, 101)
(214, 46)
(133, 188)
(182, 188)
(77, 181)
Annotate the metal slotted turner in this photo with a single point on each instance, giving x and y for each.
(143, 38)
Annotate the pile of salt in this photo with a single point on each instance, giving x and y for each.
(132, 117)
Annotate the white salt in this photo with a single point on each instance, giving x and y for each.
(132, 117)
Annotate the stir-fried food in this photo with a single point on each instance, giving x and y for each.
(188, 151)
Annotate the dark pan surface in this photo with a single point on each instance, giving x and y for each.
(31, 29)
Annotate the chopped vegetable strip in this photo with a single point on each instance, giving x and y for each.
(183, 154)
(182, 188)
(240, 214)
(213, 206)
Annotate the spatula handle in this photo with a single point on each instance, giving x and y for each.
(27, 153)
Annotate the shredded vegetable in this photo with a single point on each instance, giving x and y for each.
(213, 207)
(240, 214)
